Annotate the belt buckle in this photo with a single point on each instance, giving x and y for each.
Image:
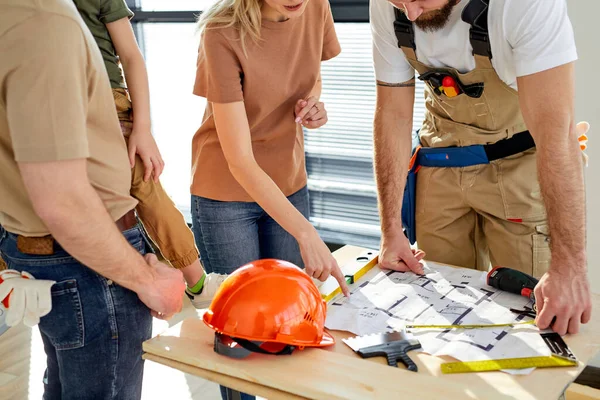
(39, 246)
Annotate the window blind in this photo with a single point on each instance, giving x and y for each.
(339, 156)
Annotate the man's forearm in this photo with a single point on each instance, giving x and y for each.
(560, 173)
(549, 118)
(85, 230)
(392, 144)
(78, 220)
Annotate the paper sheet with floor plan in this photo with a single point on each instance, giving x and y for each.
(387, 300)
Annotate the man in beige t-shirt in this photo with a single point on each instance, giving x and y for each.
(66, 214)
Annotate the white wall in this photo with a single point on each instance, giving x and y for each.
(584, 17)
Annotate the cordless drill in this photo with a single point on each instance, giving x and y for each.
(512, 281)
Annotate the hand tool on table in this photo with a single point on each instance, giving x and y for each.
(512, 281)
(526, 311)
(392, 345)
(517, 282)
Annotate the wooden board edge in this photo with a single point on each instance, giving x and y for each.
(225, 380)
(581, 392)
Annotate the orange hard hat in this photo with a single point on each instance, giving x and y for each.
(268, 302)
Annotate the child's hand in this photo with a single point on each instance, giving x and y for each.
(310, 113)
(142, 143)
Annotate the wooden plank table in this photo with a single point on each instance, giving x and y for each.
(338, 373)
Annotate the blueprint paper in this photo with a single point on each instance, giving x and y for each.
(389, 300)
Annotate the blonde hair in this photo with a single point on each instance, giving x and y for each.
(243, 15)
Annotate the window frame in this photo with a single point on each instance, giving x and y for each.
(342, 10)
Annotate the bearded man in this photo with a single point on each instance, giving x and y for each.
(500, 172)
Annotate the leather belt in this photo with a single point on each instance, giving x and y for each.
(47, 245)
(127, 221)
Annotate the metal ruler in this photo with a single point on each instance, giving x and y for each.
(507, 363)
(466, 326)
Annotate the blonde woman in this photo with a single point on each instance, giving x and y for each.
(259, 68)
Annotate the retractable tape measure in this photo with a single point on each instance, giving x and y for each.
(466, 326)
(507, 363)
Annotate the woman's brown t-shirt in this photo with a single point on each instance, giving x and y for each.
(281, 69)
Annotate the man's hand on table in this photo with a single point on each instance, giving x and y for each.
(563, 294)
(397, 255)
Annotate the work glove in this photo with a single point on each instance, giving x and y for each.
(582, 128)
(24, 298)
(3, 326)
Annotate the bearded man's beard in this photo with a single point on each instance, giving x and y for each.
(435, 20)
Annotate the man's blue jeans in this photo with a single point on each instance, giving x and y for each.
(230, 234)
(93, 335)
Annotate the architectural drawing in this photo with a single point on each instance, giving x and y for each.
(389, 300)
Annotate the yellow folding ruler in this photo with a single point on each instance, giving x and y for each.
(507, 363)
(353, 271)
(560, 356)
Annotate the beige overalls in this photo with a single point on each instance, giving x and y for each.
(494, 212)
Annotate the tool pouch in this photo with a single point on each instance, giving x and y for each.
(435, 77)
(409, 200)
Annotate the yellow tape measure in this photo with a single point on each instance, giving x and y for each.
(508, 363)
(480, 326)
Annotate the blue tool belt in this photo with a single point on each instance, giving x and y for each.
(454, 157)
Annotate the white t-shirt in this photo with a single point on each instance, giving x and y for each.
(527, 36)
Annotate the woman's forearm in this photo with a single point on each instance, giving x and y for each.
(267, 194)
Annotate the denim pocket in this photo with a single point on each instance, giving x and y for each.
(64, 324)
(26, 261)
(140, 246)
(136, 239)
